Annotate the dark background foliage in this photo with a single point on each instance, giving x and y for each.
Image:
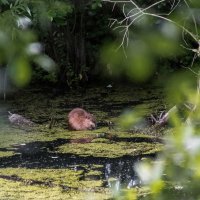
(73, 34)
(74, 39)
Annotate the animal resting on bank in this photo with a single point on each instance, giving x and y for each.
(79, 119)
(19, 120)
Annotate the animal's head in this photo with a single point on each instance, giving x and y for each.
(90, 121)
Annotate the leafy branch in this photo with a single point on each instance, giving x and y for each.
(133, 12)
(138, 13)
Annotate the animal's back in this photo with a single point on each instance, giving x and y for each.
(79, 119)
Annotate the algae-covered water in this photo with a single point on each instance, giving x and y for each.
(47, 161)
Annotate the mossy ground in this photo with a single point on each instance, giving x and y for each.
(42, 163)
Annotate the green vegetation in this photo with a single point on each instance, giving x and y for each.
(131, 64)
(53, 180)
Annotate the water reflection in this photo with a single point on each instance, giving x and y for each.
(121, 173)
(115, 172)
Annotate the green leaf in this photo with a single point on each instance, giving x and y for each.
(20, 72)
(4, 2)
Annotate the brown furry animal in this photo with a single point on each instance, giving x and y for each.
(79, 119)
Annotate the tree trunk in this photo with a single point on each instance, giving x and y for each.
(79, 38)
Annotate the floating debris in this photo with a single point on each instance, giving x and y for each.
(109, 86)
